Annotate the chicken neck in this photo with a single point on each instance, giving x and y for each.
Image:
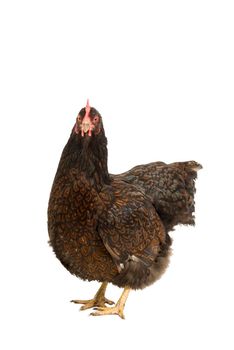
(88, 155)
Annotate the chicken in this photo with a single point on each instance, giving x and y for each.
(115, 228)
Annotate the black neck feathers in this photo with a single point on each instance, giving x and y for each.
(87, 154)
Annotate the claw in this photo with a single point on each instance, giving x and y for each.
(109, 302)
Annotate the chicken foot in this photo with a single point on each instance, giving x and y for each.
(115, 310)
(99, 299)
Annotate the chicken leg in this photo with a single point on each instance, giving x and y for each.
(115, 310)
(99, 299)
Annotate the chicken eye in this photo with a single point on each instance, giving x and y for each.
(95, 119)
(79, 118)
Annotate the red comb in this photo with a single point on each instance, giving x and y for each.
(87, 108)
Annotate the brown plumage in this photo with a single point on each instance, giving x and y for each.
(114, 228)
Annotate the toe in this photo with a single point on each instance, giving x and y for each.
(94, 314)
(85, 307)
(80, 301)
(99, 308)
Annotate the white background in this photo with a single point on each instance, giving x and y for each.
(161, 74)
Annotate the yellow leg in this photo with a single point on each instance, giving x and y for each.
(115, 310)
(99, 299)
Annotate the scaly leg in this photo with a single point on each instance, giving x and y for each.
(115, 310)
(99, 299)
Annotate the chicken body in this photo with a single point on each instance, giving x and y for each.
(114, 228)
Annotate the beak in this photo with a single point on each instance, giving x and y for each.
(85, 127)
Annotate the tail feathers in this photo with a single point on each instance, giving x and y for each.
(178, 206)
(171, 188)
(190, 166)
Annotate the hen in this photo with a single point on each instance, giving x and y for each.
(114, 228)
